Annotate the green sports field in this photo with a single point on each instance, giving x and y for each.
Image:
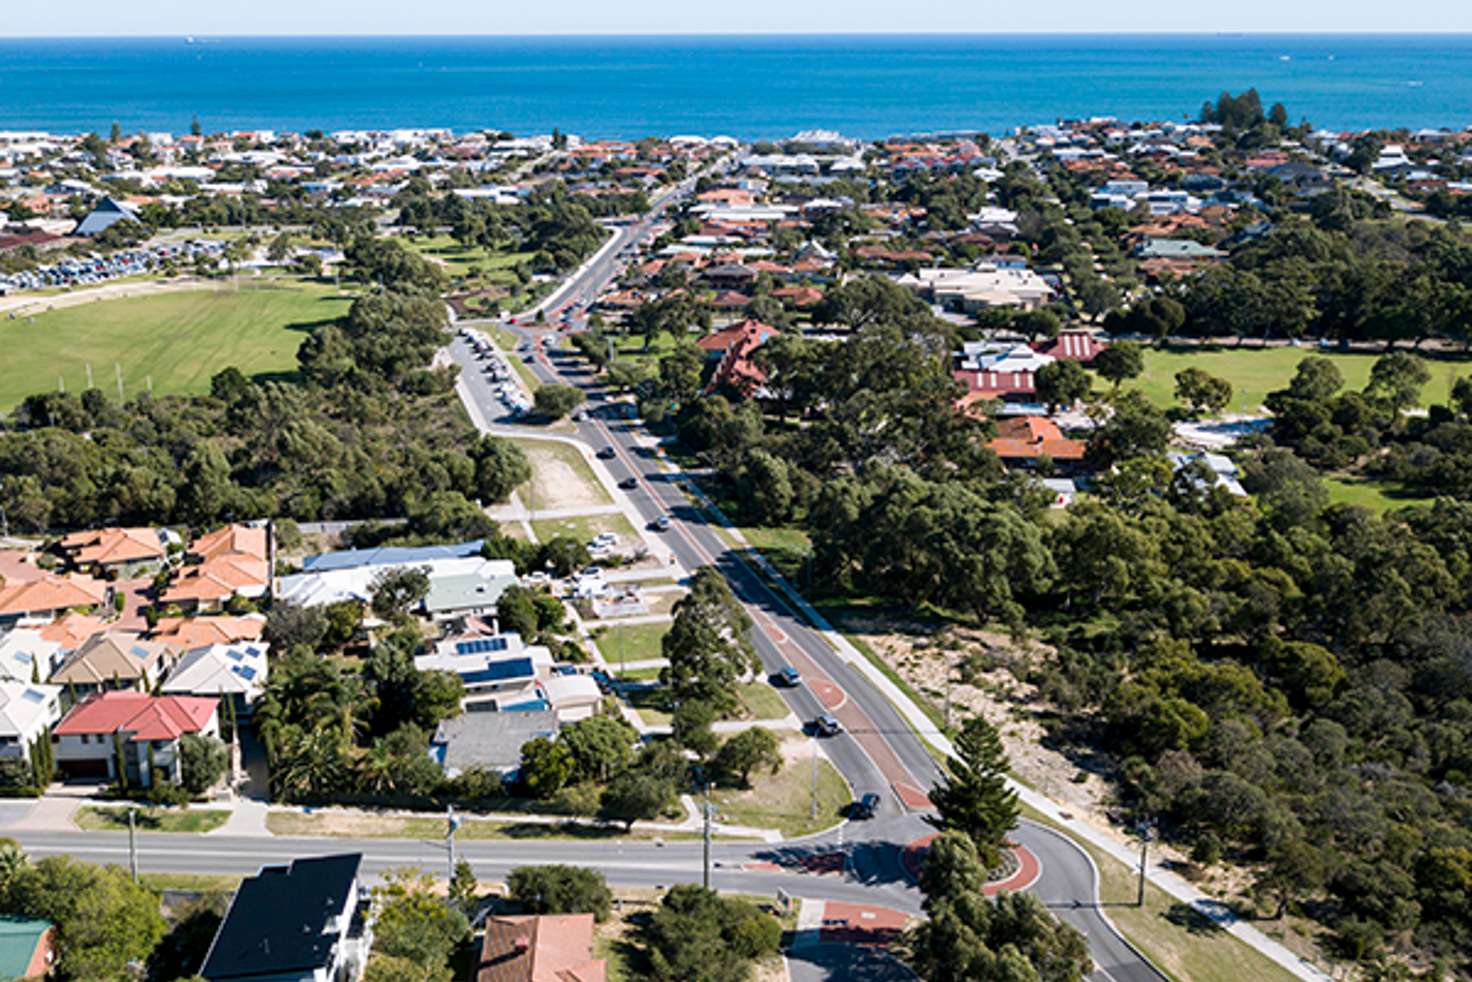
(178, 340)
(1255, 372)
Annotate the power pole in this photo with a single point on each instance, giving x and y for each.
(1147, 829)
(133, 843)
(705, 879)
(451, 824)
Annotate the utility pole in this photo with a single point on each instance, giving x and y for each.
(705, 879)
(451, 824)
(1147, 830)
(133, 843)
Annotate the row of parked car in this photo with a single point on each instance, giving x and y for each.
(498, 372)
(94, 269)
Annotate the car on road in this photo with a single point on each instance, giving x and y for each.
(825, 724)
(628, 483)
(591, 573)
(607, 453)
(788, 676)
(865, 807)
(660, 524)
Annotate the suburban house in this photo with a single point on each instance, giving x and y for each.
(1026, 439)
(27, 948)
(195, 632)
(458, 586)
(545, 948)
(232, 561)
(70, 631)
(26, 710)
(390, 556)
(491, 741)
(49, 596)
(471, 594)
(308, 921)
(27, 656)
(237, 671)
(731, 349)
(130, 551)
(502, 674)
(979, 287)
(107, 214)
(87, 739)
(114, 660)
(1216, 471)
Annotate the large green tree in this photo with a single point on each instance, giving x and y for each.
(974, 798)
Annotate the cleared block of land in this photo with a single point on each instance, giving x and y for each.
(784, 800)
(632, 642)
(585, 527)
(561, 477)
(1254, 372)
(151, 819)
(178, 339)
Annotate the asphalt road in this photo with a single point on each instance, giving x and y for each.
(878, 751)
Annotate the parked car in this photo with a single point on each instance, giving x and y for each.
(607, 453)
(660, 524)
(788, 676)
(865, 807)
(827, 725)
(629, 483)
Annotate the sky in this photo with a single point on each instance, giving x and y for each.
(182, 17)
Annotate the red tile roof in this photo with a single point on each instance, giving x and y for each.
(1080, 346)
(139, 715)
(1030, 437)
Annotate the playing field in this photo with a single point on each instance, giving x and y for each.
(1255, 372)
(176, 340)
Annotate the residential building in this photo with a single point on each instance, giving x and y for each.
(70, 631)
(488, 740)
(27, 656)
(460, 586)
(27, 947)
(236, 671)
(390, 556)
(49, 596)
(472, 594)
(108, 213)
(1216, 471)
(232, 561)
(114, 660)
(545, 948)
(146, 728)
(123, 550)
(498, 671)
(183, 633)
(1079, 346)
(732, 349)
(26, 710)
(308, 921)
(979, 288)
(1026, 439)
(1001, 356)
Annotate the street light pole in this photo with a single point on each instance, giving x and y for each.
(705, 879)
(1147, 829)
(133, 843)
(451, 824)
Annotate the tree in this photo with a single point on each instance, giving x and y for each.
(464, 888)
(415, 924)
(556, 401)
(500, 468)
(560, 890)
(1203, 392)
(545, 767)
(697, 935)
(1061, 383)
(747, 751)
(601, 746)
(1396, 381)
(690, 725)
(1120, 362)
(1135, 428)
(397, 590)
(289, 625)
(202, 762)
(974, 799)
(1295, 868)
(634, 796)
(707, 645)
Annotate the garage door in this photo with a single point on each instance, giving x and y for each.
(82, 768)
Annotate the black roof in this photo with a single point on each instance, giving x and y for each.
(278, 919)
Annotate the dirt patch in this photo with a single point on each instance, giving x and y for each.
(561, 478)
(985, 670)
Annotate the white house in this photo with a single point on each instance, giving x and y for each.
(26, 656)
(26, 711)
(236, 670)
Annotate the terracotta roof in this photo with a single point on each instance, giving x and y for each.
(195, 632)
(19, 566)
(71, 631)
(549, 948)
(114, 545)
(248, 540)
(51, 592)
(217, 579)
(141, 716)
(722, 340)
(1030, 437)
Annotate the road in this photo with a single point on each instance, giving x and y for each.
(877, 750)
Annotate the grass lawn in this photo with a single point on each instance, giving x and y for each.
(1377, 496)
(561, 477)
(1176, 938)
(762, 701)
(649, 674)
(495, 266)
(785, 548)
(784, 800)
(585, 527)
(179, 340)
(198, 882)
(653, 704)
(433, 827)
(1254, 372)
(632, 642)
(96, 819)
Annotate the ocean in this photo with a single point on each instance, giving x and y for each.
(868, 86)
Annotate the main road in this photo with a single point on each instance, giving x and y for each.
(877, 751)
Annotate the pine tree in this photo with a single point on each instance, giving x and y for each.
(974, 798)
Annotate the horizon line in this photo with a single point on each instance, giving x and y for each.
(776, 32)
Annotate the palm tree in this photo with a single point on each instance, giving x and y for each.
(13, 862)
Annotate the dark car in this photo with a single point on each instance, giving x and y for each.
(789, 676)
(607, 453)
(865, 807)
(629, 483)
(826, 725)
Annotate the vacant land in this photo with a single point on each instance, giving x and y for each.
(785, 800)
(176, 340)
(151, 819)
(1254, 372)
(585, 527)
(632, 642)
(762, 701)
(561, 477)
(433, 827)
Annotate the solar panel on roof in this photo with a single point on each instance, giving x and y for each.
(234, 655)
(245, 672)
(138, 650)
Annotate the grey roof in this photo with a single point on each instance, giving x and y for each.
(388, 555)
(467, 591)
(488, 739)
(1177, 249)
(104, 216)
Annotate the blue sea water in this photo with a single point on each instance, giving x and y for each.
(746, 86)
